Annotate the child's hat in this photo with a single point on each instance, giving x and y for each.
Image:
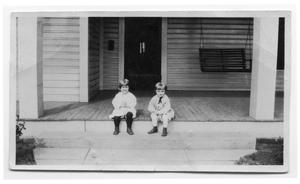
(160, 85)
(124, 82)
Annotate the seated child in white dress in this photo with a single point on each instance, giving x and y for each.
(124, 104)
(160, 109)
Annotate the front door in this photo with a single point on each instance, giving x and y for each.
(143, 52)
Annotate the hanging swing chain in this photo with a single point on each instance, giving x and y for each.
(248, 44)
(248, 35)
(201, 34)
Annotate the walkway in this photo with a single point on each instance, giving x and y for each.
(176, 152)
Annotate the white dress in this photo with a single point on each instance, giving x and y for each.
(123, 103)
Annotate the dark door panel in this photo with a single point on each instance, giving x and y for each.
(143, 52)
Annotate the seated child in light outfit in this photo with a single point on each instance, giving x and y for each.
(160, 109)
(124, 107)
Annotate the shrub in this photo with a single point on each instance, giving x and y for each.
(20, 126)
(24, 146)
(269, 152)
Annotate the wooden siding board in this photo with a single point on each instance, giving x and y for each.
(206, 31)
(61, 55)
(63, 49)
(61, 70)
(60, 63)
(61, 97)
(61, 84)
(65, 77)
(207, 35)
(60, 59)
(61, 91)
(52, 28)
(239, 21)
(61, 43)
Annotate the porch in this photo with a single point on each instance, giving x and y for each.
(78, 56)
(188, 105)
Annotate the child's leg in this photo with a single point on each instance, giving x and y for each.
(154, 119)
(117, 120)
(129, 121)
(165, 119)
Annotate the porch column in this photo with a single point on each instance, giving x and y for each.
(263, 77)
(29, 60)
(84, 39)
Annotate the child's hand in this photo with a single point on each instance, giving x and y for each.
(124, 107)
(157, 112)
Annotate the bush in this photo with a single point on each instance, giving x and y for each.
(269, 152)
(24, 146)
(20, 126)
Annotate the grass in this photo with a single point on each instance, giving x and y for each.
(24, 152)
(269, 152)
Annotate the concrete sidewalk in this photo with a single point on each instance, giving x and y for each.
(176, 152)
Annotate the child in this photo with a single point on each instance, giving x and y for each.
(124, 107)
(160, 109)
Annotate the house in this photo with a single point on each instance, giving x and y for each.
(71, 58)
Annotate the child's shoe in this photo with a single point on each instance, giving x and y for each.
(117, 131)
(153, 130)
(129, 131)
(165, 132)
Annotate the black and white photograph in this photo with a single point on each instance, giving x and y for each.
(150, 91)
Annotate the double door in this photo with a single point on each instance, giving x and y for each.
(142, 52)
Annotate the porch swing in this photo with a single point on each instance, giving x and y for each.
(224, 59)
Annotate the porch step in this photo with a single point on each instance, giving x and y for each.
(139, 159)
(175, 140)
(189, 146)
(256, 129)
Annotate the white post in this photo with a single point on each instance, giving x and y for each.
(263, 77)
(288, 71)
(164, 69)
(30, 68)
(84, 39)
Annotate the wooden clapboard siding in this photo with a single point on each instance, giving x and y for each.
(183, 43)
(238, 81)
(110, 57)
(61, 71)
(61, 98)
(94, 57)
(61, 84)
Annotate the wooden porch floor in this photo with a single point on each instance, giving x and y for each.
(188, 106)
